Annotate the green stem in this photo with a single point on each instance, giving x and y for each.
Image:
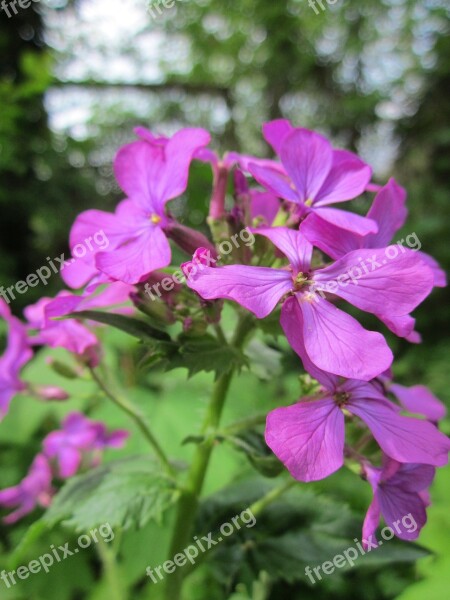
(260, 505)
(244, 424)
(111, 572)
(138, 418)
(189, 500)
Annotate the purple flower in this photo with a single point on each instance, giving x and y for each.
(420, 400)
(388, 211)
(309, 436)
(333, 341)
(68, 334)
(400, 496)
(315, 175)
(16, 355)
(78, 438)
(151, 171)
(34, 490)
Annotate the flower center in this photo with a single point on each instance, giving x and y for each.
(300, 280)
(309, 202)
(341, 398)
(155, 219)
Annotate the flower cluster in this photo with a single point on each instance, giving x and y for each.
(78, 444)
(310, 259)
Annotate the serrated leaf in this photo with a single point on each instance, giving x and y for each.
(252, 443)
(135, 327)
(124, 493)
(206, 353)
(301, 529)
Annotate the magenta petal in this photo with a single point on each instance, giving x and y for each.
(308, 438)
(336, 343)
(258, 289)
(347, 179)
(273, 180)
(402, 326)
(135, 260)
(395, 504)
(292, 324)
(371, 520)
(418, 399)
(274, 132)
(389, 211)
(440, 276)
(293, 244)
(414, 478)
(377, 284)
(328, 237)
(69, 460)
(346, 220)
(153, 173)
(307, 158)
(404, 439)
(180, 151)
(264, 205)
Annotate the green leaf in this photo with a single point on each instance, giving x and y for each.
(252, 443)
(33, 533)
(135, 327)
(301, 529)
(206, 353)
(265, 362)
(124, 493)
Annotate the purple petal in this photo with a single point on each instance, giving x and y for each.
(263, 205)
(292, 324)
(293, 244)
(308, 438)
(389, 211)
(377, 284)
(328, 237)
(346, 220)
(440, 276)
(347, 179)
(371, 520)
(273, 180)
(402, 326)
(275, 132)
(404, 439)
(153, 173)
(307, 158)
(336, 343)
(413, 477)
(134, 261)
(69, 460)
(395, 504)
(258, 289)
(418, 399)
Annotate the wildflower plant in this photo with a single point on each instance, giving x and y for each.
(306, 263)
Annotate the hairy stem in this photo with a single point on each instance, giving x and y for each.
(189, 500)
(138, 419)
(112, 575)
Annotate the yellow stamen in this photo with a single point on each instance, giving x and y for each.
(155, 219)
(309, 202)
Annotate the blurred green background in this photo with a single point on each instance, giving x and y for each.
(77, 76)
